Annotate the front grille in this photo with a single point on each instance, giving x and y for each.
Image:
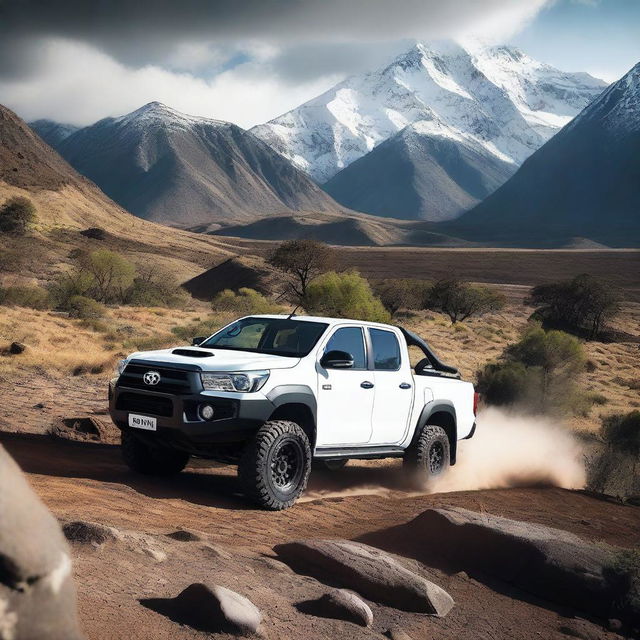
(145, 404)
(174, 381)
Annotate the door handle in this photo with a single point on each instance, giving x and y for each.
(366, 384)
(405, 385)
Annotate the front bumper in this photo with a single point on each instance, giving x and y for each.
(179, 425)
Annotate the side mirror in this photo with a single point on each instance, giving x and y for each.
(337, 360)
(198, 341)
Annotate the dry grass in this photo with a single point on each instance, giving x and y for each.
(60, 347)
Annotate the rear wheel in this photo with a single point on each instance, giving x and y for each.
(274, 467)
(155, 461)
(429, 456)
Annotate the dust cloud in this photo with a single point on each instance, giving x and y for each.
(511, 450)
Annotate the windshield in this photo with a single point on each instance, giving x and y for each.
(276, 336)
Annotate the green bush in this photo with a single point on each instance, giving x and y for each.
(623, 431)
(156, 287)
(461, 300)
(24, 296)
(244, 302)
(401, 293)
(16, 215)
(344, 295)
(85, 308)
(583, 305)
(538, 374)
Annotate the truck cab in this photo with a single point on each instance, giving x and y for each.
(274, 393)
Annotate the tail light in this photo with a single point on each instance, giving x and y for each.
(476, 400)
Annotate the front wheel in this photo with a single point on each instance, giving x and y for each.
(275, 465)
(153, 461)
(429, 456)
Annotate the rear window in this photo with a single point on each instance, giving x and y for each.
(386, 350)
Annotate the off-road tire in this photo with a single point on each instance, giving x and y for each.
(429, 456)
(333, 465)
(275, 465)
(151, 461)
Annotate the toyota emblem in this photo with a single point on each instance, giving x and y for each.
(151, 377)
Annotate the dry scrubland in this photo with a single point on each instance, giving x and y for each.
(70, 360)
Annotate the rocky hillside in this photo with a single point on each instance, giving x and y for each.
(419, 174)
(584, 182)
(169, 167)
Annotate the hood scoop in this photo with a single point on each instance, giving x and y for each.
(192, 353)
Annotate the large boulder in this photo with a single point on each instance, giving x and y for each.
(374, 574)
(340, 604)
(91, 533)
(553, 564)
(210, 608)
(37, 594)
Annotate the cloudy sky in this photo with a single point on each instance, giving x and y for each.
(250, 60)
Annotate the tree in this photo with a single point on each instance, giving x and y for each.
(460, 300)
(16, 215)
(154, 286)
(344, 295)
(111, 273)
(401, 293)
(583, 305)
(302, 261)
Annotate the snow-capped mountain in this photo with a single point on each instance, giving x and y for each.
(495, 97)
(170, 167)
(53, 133)
(584, 182)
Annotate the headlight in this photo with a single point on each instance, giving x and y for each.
(121, 366)
(246, 382)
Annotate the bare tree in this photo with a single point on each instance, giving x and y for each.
(302, 261)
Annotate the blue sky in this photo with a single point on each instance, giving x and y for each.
(248, 61)
(600, 36)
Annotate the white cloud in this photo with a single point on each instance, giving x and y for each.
(80, 85)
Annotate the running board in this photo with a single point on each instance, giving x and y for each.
(364, 453)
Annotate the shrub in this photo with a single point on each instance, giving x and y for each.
(583, 305)
(68, 285)
(24, 296)
(156, 287)
(538, 373)
(460, 300)
(623, 431)
(302, 261)
(244, 302)
(344, 295)
(112, 275)
(16, 215)
(84, 308)
(401, 293)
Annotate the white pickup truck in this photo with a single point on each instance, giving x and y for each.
(273, 393)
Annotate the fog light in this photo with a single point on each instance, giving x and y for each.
(206, 411)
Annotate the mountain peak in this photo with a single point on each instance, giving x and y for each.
(160, 114)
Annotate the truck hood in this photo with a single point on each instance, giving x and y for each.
(221, 360)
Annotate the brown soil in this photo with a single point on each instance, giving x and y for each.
(363, 502)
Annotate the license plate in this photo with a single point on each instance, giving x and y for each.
(142, 422)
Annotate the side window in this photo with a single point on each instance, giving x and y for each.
(349, 339)
(386, 350)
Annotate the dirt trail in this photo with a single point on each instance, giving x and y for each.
(365, 502)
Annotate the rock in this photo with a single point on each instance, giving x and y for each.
(579, 628)
(613, 624)
(374, 574)
(213, 609)
(185, 535)
(94, 533)
(553, 564)
(215, 551)
(37, 594)
(344, 605)
(395, 633)
(16, 348)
